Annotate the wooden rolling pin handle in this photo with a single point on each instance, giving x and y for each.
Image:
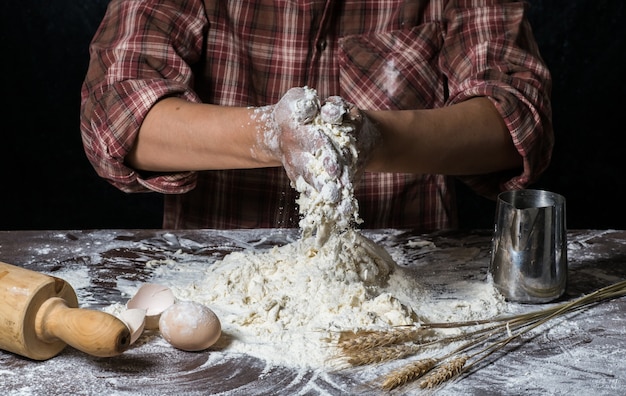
(94, 332)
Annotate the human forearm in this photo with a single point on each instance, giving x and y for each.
(467, 138)
(463, 139)
(178, 135)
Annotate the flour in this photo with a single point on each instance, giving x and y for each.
(280, 304)
(333, 209)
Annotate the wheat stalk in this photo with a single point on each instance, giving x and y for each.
(530, 321)
(494, 335)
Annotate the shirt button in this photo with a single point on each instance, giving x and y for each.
(321, 45)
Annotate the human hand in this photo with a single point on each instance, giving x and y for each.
(323, 148)
(365, 135)
(306, 152)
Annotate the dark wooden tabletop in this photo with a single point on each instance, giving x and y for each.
(583, 353)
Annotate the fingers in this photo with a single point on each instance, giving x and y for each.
(317, 159)
(297, 106)
(333, 110)
(314, 158)
(306, 108)
(355, 114)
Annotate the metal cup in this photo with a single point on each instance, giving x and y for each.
(529, 247)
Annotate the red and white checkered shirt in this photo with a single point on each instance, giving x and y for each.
(386, 54)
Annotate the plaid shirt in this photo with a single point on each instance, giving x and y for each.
(387, 54)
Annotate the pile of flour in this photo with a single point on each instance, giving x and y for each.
(286, 303)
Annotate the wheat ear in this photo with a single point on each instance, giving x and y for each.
(367, 339)
(444, 372)
(408, 373)
(380, 354)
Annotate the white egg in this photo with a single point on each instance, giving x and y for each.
(154, 299)
(190, 326)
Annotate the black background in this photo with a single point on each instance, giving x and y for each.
(46, 181)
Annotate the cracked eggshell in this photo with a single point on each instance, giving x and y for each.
(135, 320)
(154, 299)
(190, 326)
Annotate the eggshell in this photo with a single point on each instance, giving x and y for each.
(135, 320)
(190, 326)
(154, 299)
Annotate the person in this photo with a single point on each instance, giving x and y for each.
(183, 97)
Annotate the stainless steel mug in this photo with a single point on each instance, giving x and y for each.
(529, 247)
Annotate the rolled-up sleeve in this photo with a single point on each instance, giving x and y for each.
(141, 53)
(489, 51)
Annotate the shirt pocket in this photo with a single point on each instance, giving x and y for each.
(393, 70)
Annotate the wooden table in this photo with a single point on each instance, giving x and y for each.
(582, 354)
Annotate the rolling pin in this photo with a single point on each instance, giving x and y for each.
(39, 316)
